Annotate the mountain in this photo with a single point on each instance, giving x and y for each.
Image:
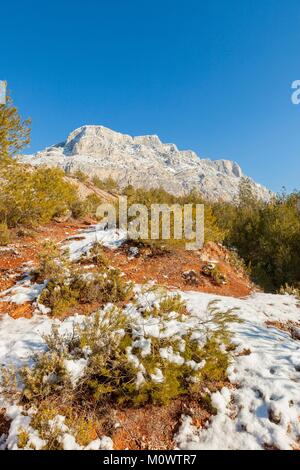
(143, 161)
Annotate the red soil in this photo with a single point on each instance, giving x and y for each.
(166, 268)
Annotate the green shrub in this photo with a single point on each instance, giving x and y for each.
(23, 438)
(92, 203)
(79, 209)
(237, 262)
(48, 376)
(81, 176)
(59, 297)
(33, 196)
(126, 364)
(216, 360)
(106, 286)
(79, 423)
(289, 290)
(95, 256)
(69, 284)
(53, 263)
(43, 421)
(107, 184)
(213, 231)
(218, 277)
(80, 287)
(167, 304)
(88, 206)
(25, 232)
(112, 375)
(4, 234)
(266, 235)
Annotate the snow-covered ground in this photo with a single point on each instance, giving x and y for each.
(264, 408)
(77, 245)
(82, 242)
(261, 409)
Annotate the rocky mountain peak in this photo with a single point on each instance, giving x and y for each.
(143, 161)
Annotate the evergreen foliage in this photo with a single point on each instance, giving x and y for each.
(33, 196)
(69, 284)
(14, 132)
(266, 235)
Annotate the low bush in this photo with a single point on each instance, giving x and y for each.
(289, 290)
(69, 284)
(51, 420)
(79, 209)
(166, 305)
(23, 438)
(266, 235)
(92, 203)
(106, 184)
(95, 256)
(48, 376)
(81, 176)
(4, 235)
(53, 263)
(81, 288)
(237, 262)
(32, 196)
(129, 362)
(23, 232)
(87, 206)
(213, 231)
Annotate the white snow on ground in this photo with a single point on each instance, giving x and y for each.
(261, 409)
(22, 337)
(20, 421)
(82, 242)
(78, 245)
(264, 409)
(23, 291)
(268, 379)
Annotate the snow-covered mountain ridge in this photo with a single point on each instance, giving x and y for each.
(143, 161)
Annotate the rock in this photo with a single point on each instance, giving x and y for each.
(274, 415)
(295, 332)
(101, 152)
(133, 252)
(204, 258)
(191, 277)
(212, 271)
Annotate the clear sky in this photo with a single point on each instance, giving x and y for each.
(211, 76)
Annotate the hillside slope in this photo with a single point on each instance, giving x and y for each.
(257, 407)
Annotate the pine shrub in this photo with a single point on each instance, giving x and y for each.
(4, 235)
(32, 196)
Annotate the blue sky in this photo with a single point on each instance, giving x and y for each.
(214, 77)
